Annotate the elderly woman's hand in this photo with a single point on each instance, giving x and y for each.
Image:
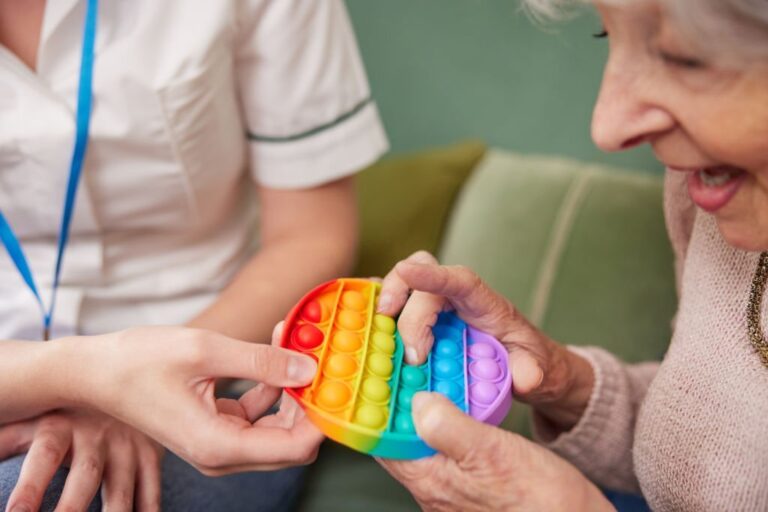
(482, 468)
(554, 380)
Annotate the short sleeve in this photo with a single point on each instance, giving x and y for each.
(306, 103)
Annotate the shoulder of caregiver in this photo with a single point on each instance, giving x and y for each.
(194, 104)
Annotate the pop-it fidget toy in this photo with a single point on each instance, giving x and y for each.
(361, 395)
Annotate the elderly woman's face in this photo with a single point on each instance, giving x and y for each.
(701, 118)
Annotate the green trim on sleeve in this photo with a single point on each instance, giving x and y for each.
(313, 131)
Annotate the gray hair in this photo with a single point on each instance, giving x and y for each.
(732, 31)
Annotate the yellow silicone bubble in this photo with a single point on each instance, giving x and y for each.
(384, 324)
(375, 390)
(380, 365)
(341, 366)
(345, 341)
(370, 416)
(354, 300)
(383, 342)
(333, 395)
(350, 320)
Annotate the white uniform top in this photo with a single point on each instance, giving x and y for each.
(194, 101)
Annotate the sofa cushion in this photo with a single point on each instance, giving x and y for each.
(580, 249)
(405, 202)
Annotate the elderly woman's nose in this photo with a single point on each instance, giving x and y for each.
(625, 114)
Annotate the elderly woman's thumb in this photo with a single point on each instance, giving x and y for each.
(447, 429)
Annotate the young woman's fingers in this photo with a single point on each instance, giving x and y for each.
(231, 407)
(15, 438)
(226, 357)
(394, 290)
(415, 325)
(84, 477)
(119, 483)
(46, 453)
(148, 493)
(257, 401)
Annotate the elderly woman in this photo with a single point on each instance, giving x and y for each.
(691, 79)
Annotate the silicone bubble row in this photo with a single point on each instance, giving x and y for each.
(342, 360)
(371, 408)
(487, 371)
(448, 364)
(412, 380)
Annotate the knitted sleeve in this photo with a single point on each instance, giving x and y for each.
(600, 444)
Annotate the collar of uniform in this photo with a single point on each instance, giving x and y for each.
(61, 38)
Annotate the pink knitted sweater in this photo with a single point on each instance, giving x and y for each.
(691, 433)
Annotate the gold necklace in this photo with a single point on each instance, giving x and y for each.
(755, 306)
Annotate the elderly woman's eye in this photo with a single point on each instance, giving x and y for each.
(682, 61)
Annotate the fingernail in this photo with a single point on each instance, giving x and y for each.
(21, 508)
(301, 369)
(411, 356)
(385, 300)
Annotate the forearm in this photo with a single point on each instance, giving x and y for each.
(32, 378)
(600, 443)
(307, 237)
(271, 283)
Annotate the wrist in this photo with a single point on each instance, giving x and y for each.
(577, 381)
(70, 365)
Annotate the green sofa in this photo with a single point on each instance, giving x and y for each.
(580, 248)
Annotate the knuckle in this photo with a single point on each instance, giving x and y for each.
(423, 256)
(91, 464)
(51, 449)
(67, 507)
(120, 499)
(25, 494)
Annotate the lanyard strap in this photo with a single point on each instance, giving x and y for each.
(84, 100)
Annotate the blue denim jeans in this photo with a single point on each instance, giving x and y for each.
(185, 489)
(626, 502)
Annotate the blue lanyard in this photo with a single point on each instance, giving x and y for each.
(84, 100)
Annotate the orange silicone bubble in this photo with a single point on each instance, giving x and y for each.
(345, 341)
(354, 300)
(341, 366)
(350, 320)
(333, 395)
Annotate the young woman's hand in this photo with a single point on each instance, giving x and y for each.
(480, 468)
(97, 449)
(552, 379)
(161, 380)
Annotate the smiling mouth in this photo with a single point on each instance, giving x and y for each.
(711, 188)
(718, 176)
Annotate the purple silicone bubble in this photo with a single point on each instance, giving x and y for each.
(480, 350)
(483, 393)
(485, 369)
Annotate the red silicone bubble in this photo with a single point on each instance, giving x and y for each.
(307, 337)
(312, 312)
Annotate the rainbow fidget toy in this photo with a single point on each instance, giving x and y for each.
(361, 395)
